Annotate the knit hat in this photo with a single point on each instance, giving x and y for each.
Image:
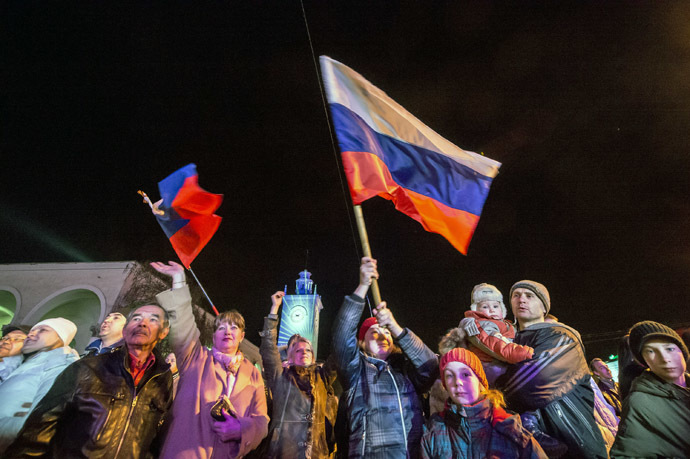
(538, 290)
(366, 325)
(642, 332)
(65, 329)
(487, 292)
(468, 358)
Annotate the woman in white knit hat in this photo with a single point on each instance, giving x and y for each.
(46, 351)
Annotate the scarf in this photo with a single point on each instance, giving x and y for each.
(231, 363)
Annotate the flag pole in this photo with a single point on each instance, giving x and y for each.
(362, 229)
(203, 290)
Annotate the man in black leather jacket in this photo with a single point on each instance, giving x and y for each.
(555, 383)
(111, 405)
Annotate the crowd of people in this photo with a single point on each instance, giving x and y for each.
(494, 389)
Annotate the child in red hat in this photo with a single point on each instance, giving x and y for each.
(474, 423)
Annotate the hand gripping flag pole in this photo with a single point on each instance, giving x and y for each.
(186, 215)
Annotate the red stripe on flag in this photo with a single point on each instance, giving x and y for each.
(368, 176)
(192, 200)
(191, 238)
(196, 205)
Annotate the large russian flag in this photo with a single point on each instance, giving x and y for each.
(388, 152)
(188, 220)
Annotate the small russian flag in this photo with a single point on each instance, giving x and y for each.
(188, 213)
(388, 152)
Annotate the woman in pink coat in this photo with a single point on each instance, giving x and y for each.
(207, 377)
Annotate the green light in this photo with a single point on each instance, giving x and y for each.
(42, 235)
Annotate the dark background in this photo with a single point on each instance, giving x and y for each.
(586, 104)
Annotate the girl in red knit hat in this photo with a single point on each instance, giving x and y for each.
(474, 423)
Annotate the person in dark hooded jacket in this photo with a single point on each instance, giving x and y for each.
(656, 414)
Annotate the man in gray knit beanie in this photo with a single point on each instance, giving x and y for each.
(554, 386)
(530, 302)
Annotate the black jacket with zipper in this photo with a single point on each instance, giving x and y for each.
(555, 384)
(94, 410)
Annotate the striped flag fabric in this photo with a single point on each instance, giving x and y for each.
(188, 217)
(388, 152)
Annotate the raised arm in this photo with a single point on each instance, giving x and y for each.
(345, 350)
(270, 355)
(184, 334)
(423, 368)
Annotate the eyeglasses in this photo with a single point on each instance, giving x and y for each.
(11, 339)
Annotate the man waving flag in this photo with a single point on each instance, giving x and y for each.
(388, 152)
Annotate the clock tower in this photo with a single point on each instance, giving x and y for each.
(300, 312)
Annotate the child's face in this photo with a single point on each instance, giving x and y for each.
(665, 359)
(462, 384)
(491, 309)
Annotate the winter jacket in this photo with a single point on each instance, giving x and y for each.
(93, 410)
(655, 420)
(26, 386)
(494, 340)
(557, 367)
(384, 409)
(477, 431)
(304, 405)
(611, 392)
(203, 380)
(96, 347)
(556, 382)
(604, 415)
(8, 365)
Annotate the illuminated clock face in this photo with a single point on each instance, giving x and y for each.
(298, 313)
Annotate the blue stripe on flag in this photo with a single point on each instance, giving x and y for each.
(170, 186)
(171, 222)
(415, 168)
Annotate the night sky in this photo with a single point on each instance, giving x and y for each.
(586, 104)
